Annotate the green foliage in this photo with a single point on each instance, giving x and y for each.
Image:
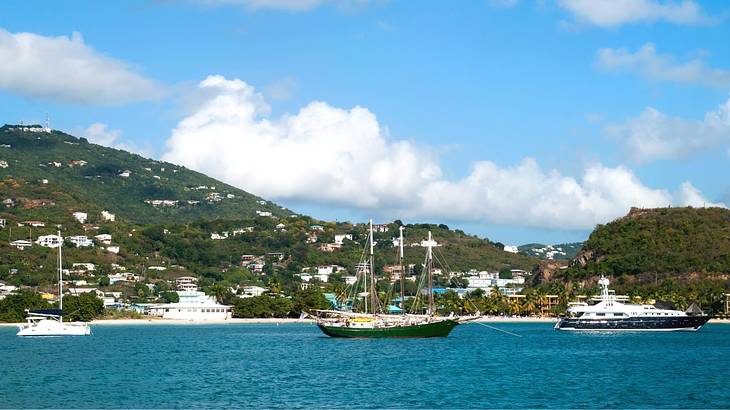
(82, 308)
(262, 306)
(97, 184)
(310, 299)
(505, 273)
(670, 242)
(13, 307)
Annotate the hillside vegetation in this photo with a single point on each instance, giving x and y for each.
(50, 174)
(680, 255)
(668, 241)
(46, 180)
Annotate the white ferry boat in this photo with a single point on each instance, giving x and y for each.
(611, 315)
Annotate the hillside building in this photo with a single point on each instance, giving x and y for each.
(49, 241)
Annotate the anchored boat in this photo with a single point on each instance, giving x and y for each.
(49, 322)
(376, 324)
(612, 315)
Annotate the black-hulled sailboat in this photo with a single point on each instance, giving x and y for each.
(373, 323)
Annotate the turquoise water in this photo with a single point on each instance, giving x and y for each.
(204, 366)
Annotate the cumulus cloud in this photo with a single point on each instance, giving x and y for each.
(68, 70)
(661, 67)
(100, 133)
(613, 13)
(332, 156)
(688, 195)
(654, 136)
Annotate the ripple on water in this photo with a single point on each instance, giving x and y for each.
(221, 366)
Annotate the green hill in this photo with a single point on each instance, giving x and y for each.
(673, 242)
(678, 255)
(50, 174)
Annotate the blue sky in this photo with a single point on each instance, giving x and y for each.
(533, 120)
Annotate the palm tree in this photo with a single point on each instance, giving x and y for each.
(219, 292)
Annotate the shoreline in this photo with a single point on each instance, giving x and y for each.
(277, 321)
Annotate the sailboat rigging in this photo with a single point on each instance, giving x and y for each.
(49, 322)
(372, 323)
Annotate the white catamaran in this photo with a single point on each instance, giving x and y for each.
(373, 323)
(49, 322)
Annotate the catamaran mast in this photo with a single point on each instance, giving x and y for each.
(60, 275)
(402, 273)
(429, 264)
(373, 290)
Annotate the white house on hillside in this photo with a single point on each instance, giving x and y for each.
(339, 238)
(104, 238)
(81, 216)
(106, 216)
(80, 241)
(49, 241)
(21, 244)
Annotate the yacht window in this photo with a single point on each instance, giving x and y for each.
(618, 314)
(600, 314)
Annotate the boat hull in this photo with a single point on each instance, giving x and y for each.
(434, 329)
(54, 328)
(655, 324)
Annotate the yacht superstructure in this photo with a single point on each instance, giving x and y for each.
(612, 315)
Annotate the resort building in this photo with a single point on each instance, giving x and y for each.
(193, 306)
(187, 283)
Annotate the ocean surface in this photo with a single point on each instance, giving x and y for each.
(294, 365)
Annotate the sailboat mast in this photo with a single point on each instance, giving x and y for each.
(373, 290)
(429, 264)
(60, 273)
(402, 273)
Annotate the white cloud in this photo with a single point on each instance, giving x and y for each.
(661, 67)
(330, 156)
(653, 135)
(613, 13)
(688, 195)
(100, 133)
(66, 69)
(283, 89)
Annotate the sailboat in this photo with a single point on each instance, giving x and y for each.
(49, 322)
(372, 323)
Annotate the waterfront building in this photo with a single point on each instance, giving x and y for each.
(193, 306)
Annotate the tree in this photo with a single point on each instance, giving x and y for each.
(219, 292)
(505, 273)
(12, 308)
(309, 299)
(84, 308)
(104, 281)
